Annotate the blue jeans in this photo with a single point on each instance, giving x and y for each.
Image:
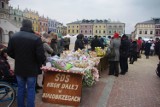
(23, 84)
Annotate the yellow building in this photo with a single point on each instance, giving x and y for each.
(99, 29)
(73, 28)
(33, 16)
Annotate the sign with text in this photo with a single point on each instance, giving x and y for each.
(62, 88)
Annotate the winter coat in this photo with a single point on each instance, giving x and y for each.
(47, 49)
(133, 48)
(147, 48)
(124, 48)
(79, 44)
(115, 43)
(95, 43)
(56, 46)
(27, 50)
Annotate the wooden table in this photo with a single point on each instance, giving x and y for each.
(62, 88)
(103, 64)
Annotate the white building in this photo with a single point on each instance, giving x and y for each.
(145, 29)
(7, 28)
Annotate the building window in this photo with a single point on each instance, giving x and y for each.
(110, 26)
(104, 31)
(157, 32)
(81, 31)
(104, 26)
(99, 31)
(72, 26)
(68, 31)
(145, 32)
(90, 31)
(110, 32)
(100, 26)
(85, 31)
(96, 26)
(77, 26)
(68, 26)
(96, 31)
(77, 31)
(85, 26)
(151, 32)
(2, 4)
(72, 31)
(140, 32)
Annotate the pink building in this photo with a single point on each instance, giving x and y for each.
(43, 24)
(86, 29)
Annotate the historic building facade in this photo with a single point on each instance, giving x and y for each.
(52, 25)
(64, 30)
(96, 27)
(113, 27)
(16, 16)
(157, 27)
(86, 28)
(99, 29)
(43, 24)
(7, 28)
(73, 28)
(34, 17)
(145, 29)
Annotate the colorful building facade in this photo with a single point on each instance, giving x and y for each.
(43, 24)
(96, 27)
(99, 29)
(86, 29)
(73, 28)
(33, 16)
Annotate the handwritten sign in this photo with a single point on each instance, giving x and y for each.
(62, 88)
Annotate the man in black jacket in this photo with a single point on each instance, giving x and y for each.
(27, 50)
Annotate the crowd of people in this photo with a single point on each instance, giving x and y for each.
(30, 50)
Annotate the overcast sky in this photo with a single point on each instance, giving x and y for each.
(129, 12)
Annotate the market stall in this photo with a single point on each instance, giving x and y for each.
(65, 77)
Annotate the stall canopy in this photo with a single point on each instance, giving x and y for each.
(67, 36)
(73, 39)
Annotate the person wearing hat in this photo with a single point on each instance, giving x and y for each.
(27, 50)
(114, 61)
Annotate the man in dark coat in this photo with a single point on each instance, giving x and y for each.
(27, 50)
(133, 52)
(95, 43)
(79, 44)
(124, 52)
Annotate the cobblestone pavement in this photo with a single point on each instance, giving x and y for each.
(140, 87)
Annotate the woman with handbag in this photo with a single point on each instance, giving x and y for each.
(114, 61)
